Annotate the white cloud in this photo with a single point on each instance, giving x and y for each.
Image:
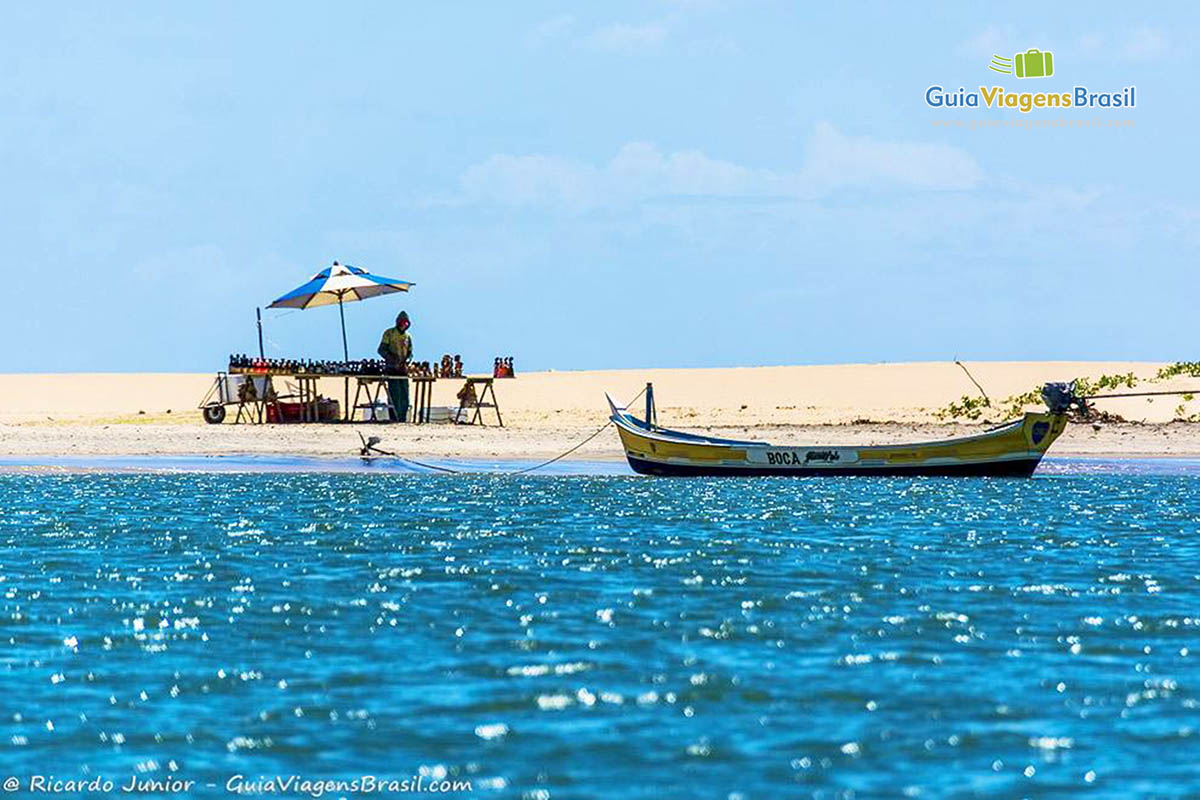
(1145, 44)
(531, 180)
(693, 5)
(623, 37)
(835, 160)
(631, 37)
(1091, 43)
(551, 29)
(988, 42)
(642, 168)
(1140, 44)
(640, 171)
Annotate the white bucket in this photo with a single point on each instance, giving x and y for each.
(376, 412)
(443, 415)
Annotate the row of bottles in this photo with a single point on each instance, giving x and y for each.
(449, 367)
(243, 364)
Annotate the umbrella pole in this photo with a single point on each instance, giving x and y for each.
(258, 313)
(345, 357)
(342, 312)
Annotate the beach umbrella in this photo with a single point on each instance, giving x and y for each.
(340, 284)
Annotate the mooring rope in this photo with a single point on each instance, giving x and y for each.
(972, 377)
(369, 447)
(1138, 394)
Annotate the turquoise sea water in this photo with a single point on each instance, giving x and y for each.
(588, 636)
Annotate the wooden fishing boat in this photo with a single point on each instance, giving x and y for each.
(1012, 449)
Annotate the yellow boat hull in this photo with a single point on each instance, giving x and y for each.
(1013, 449)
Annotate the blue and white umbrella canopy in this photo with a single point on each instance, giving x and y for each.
(340, 284)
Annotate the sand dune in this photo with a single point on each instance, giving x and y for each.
(546, 412)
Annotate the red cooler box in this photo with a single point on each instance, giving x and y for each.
(286, 411)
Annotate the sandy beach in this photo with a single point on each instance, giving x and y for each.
(547, 412)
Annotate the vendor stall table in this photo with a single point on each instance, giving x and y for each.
(257, 401)
(306, 388)
(422, 397)
(471, 397)
(373, 388)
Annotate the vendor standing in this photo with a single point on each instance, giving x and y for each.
(396, 350)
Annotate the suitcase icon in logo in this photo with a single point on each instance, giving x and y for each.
(1034, 63)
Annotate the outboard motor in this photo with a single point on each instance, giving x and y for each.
(1061, 398)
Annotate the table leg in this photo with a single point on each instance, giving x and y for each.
(496, 404)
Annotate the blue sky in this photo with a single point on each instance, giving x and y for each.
(604, 185)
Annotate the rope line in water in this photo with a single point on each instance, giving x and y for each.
(369, 448)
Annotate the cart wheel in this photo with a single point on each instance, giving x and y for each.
(214, 414)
